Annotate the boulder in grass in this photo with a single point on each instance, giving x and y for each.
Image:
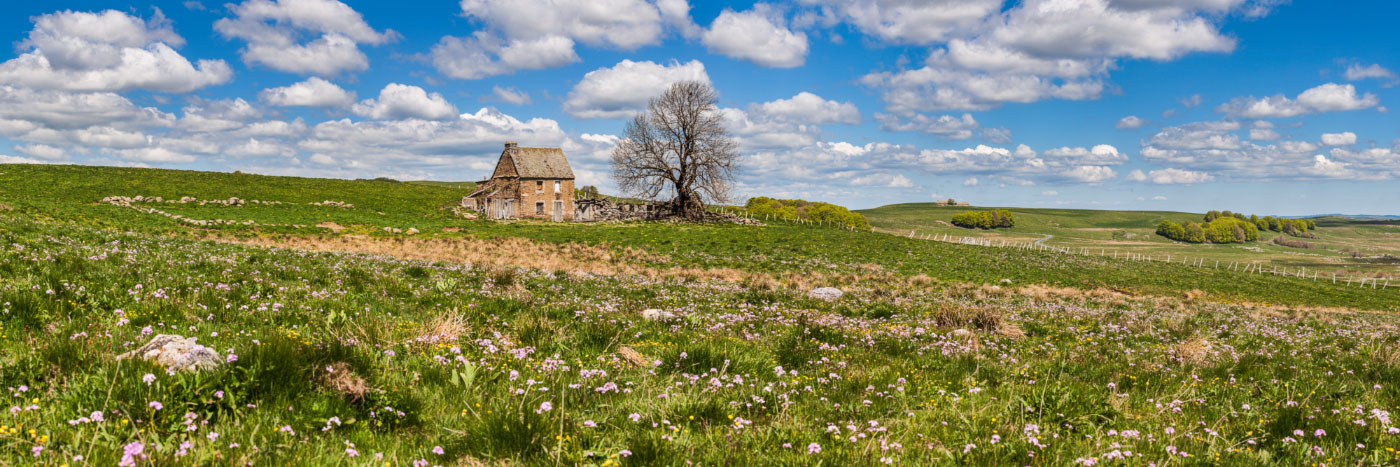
(176, 352)
(826, 293)
(654, 314)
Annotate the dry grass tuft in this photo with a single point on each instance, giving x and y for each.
(339, 378)
(5, 207)
(634, 357)
(1194, 294)
(1194, 352)
(954, 316)
(1009, 329)
(443, 328)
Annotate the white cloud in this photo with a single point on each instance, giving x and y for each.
(677, 14)
(43, 151)
(1212, 147)
(217, 116)
(326, 56)
(1090, 173)
(1345, 138)
(624, 89)
(314, 92)
(1263, 134)
(399, 101)
(4, 159)
(1159, 198)
(511, 95)
(107, 51)
(254, 147)
(756, 131)
(622, 24)
(1050, 193)
(912, 22)
(806, 107)
(484, 55)
(971, 181)
(28, 109)
(1356, 72)
(273, 29)
(1036, 49)
(1130, 122)
(757, 35)
(947, 126)
(1330, 97)
(1171, 176)
(882, 180)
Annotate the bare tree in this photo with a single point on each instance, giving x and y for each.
(678, 147)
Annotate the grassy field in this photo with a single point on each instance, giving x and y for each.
(477, 342)
(1376, 244)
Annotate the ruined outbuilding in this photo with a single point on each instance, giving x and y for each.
(528, 183)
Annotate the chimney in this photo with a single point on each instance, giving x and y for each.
(510, 144)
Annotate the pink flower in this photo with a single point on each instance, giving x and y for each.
(545, 407)
(437, 450)
(814, 448)
(156, 405)
(148, 378)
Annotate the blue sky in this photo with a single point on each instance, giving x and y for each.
(1261, 106)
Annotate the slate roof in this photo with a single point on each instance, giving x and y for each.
(540, 163)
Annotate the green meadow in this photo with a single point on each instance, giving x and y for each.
(671, 344)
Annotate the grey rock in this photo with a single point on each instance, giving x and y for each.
(176, 352)
(826, 293)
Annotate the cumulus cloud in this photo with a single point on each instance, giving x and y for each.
(107, 51)
(1170, 176)
(1345, 138)
(806, 107)
(1330, 97)
(43, 151)
(400, 101)
(1090, 173)
(274, 30)
(947, 126)
(314, 92)
(1042, 49)
(1130, 122)
(484, 55)
(903, 21)
(882, 180)
(622, 90)
(1213, 147)
(757, 35)
(970, 181)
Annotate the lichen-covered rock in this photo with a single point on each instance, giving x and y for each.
(826, 293)
(176, 352)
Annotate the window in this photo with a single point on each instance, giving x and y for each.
(539, 186)
(539, 208)
(556, 186)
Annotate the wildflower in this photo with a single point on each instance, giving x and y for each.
(36, 450)
(231, 358)
(635, 416)
(148, 378)
(156, 405)
(996, 438)
(213, 435)
(545, 407)
(968, 448)
(589, 424)
(130, 453)
(814, 448)
(1319, 433)
(287, 429)
(438, 450)
(624, 453)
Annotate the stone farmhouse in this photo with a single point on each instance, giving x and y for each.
(528, 183)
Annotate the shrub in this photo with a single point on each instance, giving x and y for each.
(986, 220)
(811, 211)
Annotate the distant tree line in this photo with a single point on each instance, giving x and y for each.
(986, 220)
(1233, 227)
(798, 209)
